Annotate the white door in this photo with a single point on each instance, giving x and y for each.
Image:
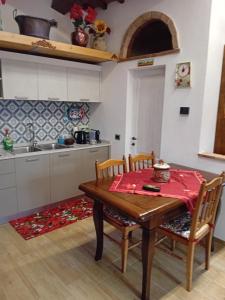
(146, 110)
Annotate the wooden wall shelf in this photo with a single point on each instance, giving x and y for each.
(32, 45)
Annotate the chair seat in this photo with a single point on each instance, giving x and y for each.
(117, 217)
(180, 225)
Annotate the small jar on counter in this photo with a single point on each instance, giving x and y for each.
(61, 140)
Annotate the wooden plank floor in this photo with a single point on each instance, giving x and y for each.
(60, 265)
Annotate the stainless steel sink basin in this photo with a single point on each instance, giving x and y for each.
(27, 149)
(52, 146)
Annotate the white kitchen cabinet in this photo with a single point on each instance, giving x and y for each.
(33, 181)
(66, 173)
(52, 83)
(90, 156)
(25, 77)
(36, 180)
(19, 80)
(7, 166)
(8, 200)
(83, 85)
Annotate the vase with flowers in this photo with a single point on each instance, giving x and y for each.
(2, 2)
(99, 29)
(82, 20)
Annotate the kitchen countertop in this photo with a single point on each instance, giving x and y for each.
(8, 155)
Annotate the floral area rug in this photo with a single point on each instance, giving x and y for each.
(63, 214)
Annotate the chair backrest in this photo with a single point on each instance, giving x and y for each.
(206, 205)
(141, 161)
(110, 168)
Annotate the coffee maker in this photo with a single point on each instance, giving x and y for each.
(96, 134)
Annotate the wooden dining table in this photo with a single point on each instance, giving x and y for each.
(148, 211)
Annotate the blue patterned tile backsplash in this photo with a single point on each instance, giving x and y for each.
(50, 119)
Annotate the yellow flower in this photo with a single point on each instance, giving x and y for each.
(100, 26)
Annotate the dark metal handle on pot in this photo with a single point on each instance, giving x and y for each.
(53, 23)
(14, 13)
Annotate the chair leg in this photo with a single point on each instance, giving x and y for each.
(189, 266)
(173, 245)
(213, 244)
(130, 235)
(208, 246)
(124, 251)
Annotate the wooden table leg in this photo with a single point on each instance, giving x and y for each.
(148, 240)
(98, 221)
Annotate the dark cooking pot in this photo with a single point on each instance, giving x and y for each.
(33, 26)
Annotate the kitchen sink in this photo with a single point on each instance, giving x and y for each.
(41, 147)
(28, 149)
(52, 146)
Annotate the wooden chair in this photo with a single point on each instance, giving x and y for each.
(125, 225)
(191, 229)
(218, 211)
(141, 161)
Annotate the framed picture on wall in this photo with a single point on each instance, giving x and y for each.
(183, 75)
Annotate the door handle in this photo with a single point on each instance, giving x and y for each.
(32, 159)
(84, 100)
(64, 155)
(53, 98)
(134, 138)
(20, 97)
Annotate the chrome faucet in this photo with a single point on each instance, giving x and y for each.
(30, 126)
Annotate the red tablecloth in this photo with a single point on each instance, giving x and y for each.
(183, 185)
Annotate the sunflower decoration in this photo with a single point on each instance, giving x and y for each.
(100, 28)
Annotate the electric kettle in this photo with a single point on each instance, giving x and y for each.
(80, 137)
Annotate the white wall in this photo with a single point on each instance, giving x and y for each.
(182, 137)
(213, 75)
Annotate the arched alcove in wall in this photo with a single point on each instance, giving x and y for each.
(153, 32)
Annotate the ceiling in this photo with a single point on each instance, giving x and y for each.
(63, 6)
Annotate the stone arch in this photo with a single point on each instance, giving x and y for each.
(140, 22)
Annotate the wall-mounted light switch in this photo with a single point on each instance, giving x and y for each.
(184, 110)
(117, 137)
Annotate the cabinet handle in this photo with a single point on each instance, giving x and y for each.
(84, 100)
(21, 98)
(64, 155)
(53, 98)
(32, 159)
(94, 150)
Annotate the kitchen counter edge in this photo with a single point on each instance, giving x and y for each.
(8, 155)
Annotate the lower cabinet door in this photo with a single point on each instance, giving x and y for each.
(66, 170)
(8, 202)
(90, 156)
(33, 181)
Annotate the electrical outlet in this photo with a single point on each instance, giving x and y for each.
(117, 137)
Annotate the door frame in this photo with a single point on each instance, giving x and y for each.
(132, 93)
